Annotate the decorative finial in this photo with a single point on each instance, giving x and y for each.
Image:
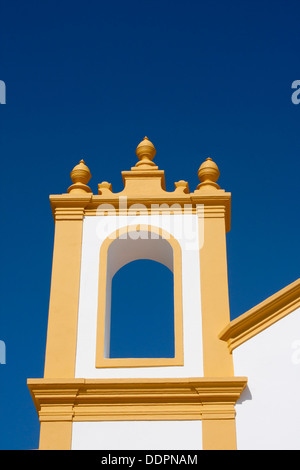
(104, 188)
(80, 176)
(145, 152)
(208, 174)
(182, 186)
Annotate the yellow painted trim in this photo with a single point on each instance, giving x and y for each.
(118, 204)
(217, 204)
(65, 282)
(219, 434)
(217, 360)
(55, 435)
(101, 361)
(207, 398)
(210, 399)
(263, 315)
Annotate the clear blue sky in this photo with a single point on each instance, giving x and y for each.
(90, 80)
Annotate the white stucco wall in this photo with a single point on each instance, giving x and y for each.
(184, 227)
(268, 413)
(137, 435)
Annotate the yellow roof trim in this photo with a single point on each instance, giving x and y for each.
(262, 316)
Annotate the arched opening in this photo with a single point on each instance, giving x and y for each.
(140, 299)
(142, 311)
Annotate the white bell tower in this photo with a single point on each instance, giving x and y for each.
(90, 400)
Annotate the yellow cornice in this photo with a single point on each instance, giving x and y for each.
(262, 316)
(69, 206)
(213, 204)
(66, 206)
(136, 399)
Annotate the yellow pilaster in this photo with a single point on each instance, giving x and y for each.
(55, 435)
(213, 209)
(219, 434)
(64, 294)
(214, 291)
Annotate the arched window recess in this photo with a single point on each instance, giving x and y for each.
(120, 248)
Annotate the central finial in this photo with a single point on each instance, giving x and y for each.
(145, 152)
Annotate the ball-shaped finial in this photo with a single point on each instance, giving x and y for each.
(81, 173)
(80, 176)
(208, 173)
(145, 152)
